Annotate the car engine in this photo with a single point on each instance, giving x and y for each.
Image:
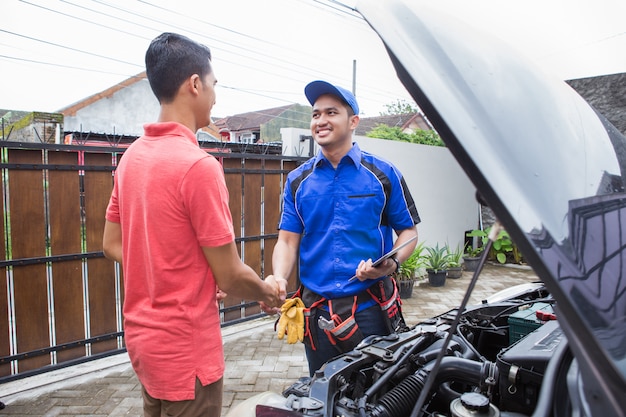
(494, 364)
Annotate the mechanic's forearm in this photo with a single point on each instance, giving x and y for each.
(404, 235)
(283, 260)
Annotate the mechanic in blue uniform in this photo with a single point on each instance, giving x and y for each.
(340, 209)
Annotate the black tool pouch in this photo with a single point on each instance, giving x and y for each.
(346, 333)
(311, 300)
(385, 293)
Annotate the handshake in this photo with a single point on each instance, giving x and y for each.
(275, 295)
(291, 320)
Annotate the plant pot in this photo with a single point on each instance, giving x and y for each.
(471, 263)
(437, 278)
(405, 288)
(455, 272)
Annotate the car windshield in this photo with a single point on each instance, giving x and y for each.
(549, 166)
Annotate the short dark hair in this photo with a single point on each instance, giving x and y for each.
(170, 60)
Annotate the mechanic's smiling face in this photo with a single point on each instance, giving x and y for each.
(332, 124)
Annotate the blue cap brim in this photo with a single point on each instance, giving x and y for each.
(315, 89)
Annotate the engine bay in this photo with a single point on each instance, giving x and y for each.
(495, 364)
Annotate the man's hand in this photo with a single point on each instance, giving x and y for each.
(365, 270)
(220, 294)
(272, 299)
(281, 285)
(291, 321)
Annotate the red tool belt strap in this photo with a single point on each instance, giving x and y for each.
(385, 293)
(345, 333)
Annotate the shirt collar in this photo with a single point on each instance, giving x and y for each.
(159, 129)
(354, 154)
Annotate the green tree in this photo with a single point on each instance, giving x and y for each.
(399, 107)
(382, 131)
(424, 137)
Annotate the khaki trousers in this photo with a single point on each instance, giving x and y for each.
(207, 403)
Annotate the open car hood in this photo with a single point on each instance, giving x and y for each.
(550, 167)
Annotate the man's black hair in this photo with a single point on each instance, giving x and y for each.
(170, 60)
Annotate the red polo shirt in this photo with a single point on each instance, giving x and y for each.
(171, 199)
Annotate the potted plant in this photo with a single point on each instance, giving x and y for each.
(406, 274)
(504, 249)
(436, 263)
(471, 257)
(454, 262)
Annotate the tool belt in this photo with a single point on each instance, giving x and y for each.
(342, 329)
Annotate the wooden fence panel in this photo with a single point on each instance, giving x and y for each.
(272, 196)
(235, 191)
(252, 207)
(103, 285)
(235, 196)
(67, 276)
(274, 183)
(28, 240)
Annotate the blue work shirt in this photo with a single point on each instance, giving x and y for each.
(344, 215)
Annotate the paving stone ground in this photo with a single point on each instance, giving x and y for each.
(256, 361)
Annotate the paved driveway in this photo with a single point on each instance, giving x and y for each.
(256, 361)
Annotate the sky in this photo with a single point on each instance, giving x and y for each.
(54, 53)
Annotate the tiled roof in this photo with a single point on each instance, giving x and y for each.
(251, 120)
(394, 120)
(11, 116)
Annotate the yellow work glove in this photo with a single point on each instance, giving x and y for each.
(291, 320)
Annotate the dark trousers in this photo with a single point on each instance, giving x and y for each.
(370, 321)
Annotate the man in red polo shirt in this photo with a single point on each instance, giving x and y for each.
(169, 225)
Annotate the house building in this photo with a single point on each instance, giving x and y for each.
(35, 127)
(117, 114)
(263, 126)
(121, 109)
(408, 122)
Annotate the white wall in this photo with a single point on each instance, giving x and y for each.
(444, 196)
(124, 113)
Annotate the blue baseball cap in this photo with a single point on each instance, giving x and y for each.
(317, 88)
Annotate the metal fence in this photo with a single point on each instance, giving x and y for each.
(61, 300)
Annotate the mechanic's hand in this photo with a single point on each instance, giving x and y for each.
(281, 285)
(291, 320)
(365, 270)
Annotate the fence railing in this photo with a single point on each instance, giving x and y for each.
(60, 299)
